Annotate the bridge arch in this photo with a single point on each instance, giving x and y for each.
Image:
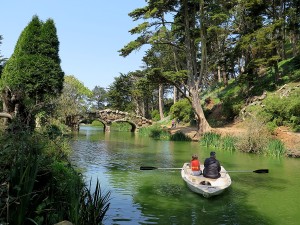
(108, 116)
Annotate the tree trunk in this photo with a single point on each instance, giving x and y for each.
(160, 100)
(193, 78)
(202, 124)
(175, 97)
(219, 74)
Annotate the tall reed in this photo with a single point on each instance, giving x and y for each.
(275, 148)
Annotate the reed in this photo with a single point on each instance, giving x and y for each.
(275, 148)
(211, 139)
(228, 143)
(94, 205)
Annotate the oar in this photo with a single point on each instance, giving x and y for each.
(157, 168)
(248, 171)
(228, 171)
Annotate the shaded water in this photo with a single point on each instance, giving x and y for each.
(161, 196)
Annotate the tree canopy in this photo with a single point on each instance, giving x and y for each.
(33, 74)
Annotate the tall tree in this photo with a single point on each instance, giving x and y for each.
(99, 97)
(119, 93)
(2, 60)
(33, 74)
(189, 18)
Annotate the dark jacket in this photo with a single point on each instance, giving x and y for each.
(211, 168)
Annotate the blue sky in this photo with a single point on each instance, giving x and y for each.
(90, 33)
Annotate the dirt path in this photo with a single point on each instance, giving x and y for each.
(290, 139)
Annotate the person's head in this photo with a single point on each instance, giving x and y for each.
(194, 157)
(213, 154)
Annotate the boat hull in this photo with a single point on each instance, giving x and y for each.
(205, 186)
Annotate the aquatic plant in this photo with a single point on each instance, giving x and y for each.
(275, 148)
(211, 139)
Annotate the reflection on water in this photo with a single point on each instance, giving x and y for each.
(161, 196)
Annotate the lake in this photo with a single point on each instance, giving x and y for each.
(162, 197)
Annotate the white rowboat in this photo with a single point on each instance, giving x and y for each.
(205, 186)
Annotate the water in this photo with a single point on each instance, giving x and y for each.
(161, 196)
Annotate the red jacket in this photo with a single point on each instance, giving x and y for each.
(195, 165)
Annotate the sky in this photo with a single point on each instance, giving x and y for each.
(90, 33)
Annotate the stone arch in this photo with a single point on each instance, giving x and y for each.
(108, 116)
(133, 125)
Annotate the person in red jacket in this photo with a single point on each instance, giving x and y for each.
(195, 166)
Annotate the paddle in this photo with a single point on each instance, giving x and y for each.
(237, 171)
(156, 168)
(247, 171)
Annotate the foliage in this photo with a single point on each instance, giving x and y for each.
(39, 185)
(179, 136)
(120, 126)
(275, 148)
(119, 94)
(33, 74)
(155, 132)
(256, 138)
(285, 110)
(155, 115)
(93, 205)
(73, 100)
(215, 140)
(99, 98)
(182, 110)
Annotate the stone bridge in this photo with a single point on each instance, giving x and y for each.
(108, 116)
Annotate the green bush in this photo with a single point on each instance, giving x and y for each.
(41, 184)
(155, 132)
(159, 134)
(179, 136)
(182, 110)
(285, 110)
(155, 115)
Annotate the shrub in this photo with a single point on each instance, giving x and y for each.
(154, 132)
(155, 115)
(157, 133)
(256, 138)
(179, 136)
(182, 110)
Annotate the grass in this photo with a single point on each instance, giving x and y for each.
(275, 148)
(215, 140)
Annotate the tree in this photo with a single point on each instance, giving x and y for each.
(73, 100)
(2, 60)
(99, 97)
(188, 19)
(119, 93)
(32, 75)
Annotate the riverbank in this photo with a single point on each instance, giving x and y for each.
(290, 139)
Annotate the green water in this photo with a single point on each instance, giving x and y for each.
(161, 196)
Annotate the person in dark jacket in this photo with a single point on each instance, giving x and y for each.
(212, 167)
